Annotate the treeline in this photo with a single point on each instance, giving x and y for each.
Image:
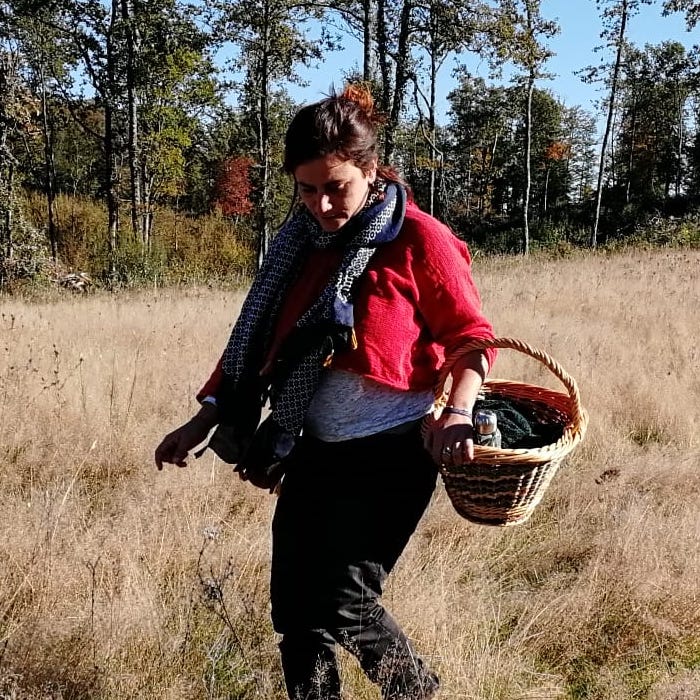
(138, 138)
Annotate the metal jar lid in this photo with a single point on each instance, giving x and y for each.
(485, 422)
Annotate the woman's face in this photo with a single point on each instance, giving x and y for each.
(333, 189)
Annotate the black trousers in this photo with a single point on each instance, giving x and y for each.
(344, 515)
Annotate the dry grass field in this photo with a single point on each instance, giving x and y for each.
(119, 582)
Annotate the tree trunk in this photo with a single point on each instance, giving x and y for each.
(9, 238)
(469, 176)
(49, 166)
(483, 184)
(382, 44)
(110, 151)
(400, 81)
(614, 176)
(608, 121)
(112, 196)
(681, 142)
(488, 168)
(264, 141)
(8, 81)
(528, 164)
(146, 208)
(567, 169)
(630, 160)
(132, 48)
(432, 131)
(368, 33)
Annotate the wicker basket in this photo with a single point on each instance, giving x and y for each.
(503, 486)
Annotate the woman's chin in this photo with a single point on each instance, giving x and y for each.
(332, 224)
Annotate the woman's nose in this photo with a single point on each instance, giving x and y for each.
(324, 203)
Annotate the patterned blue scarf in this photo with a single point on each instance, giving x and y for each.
(326, 327)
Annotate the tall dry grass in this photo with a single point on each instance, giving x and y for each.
(117, 581)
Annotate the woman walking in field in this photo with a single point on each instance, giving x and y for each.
(344, 329)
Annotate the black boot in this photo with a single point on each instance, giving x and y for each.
(309, 665)
(388, 659)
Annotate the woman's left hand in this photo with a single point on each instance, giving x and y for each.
(450, 439)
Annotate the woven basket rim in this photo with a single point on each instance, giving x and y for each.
(568, 403)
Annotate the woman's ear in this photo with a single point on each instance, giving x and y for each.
(372, 173)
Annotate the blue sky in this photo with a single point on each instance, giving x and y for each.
(580, 33)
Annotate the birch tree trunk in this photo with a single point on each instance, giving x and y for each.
(681, 142)
(528, 163)
(624, 10)
(264, 140)
(433, 132)
(630, 160)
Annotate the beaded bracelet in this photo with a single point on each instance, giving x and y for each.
(459, 411)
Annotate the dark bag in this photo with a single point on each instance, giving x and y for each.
(259, 451)
(260, 459)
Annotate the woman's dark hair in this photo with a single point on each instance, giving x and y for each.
(344, 124)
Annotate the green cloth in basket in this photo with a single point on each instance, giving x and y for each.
(522, 426)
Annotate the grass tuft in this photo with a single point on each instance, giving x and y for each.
(117, 581)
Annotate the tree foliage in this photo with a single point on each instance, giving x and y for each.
(272, 43)
(130, 105)
(232, 187)
(690, 7)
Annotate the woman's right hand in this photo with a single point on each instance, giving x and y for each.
(175, 446)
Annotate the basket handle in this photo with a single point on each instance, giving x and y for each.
(521, 346)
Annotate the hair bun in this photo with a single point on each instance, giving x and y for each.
(360, 94)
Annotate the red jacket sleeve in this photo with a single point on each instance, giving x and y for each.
(447, 296)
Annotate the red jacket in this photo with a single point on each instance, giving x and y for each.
(415, 301)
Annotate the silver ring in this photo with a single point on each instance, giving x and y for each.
(447, 450)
